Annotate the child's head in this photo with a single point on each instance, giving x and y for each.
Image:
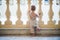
(33, 8)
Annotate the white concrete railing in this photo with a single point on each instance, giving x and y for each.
(13, 7)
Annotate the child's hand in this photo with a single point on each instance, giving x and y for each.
(39, 13)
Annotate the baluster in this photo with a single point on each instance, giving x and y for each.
(29, 3)
(55, 8)
(40, 14)
(3, 8)
(13, 10)
(18, 22)
(50, 16)
(50, 12)
(45, 10)
(24, 8)
(8, 22)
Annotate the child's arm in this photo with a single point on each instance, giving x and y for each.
(38, 15)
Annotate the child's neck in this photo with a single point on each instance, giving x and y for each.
(32, 11)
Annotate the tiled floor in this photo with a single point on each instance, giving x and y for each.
(27, 38)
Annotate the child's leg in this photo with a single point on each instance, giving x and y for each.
(35, 31)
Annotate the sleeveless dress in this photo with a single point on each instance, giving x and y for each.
(33, 23)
